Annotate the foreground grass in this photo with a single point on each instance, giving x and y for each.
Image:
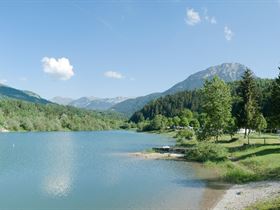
(271, 204)
(245, 163)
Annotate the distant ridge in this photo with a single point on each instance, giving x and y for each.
(92, 103)
(62, 100)
(7, 92)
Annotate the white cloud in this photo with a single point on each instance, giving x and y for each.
(113, 74)
(213, 20)
(208, 18)
(228, 33)
(59, 68)
(192, 17)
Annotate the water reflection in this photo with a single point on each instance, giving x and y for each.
(59, 172)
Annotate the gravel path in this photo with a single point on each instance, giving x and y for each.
(240, 196)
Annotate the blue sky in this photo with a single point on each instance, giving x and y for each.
(131, 48)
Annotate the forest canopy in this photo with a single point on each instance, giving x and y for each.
(16, 115)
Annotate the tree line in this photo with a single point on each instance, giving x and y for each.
(16, 115)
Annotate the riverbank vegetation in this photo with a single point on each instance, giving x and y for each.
(16, 115)
(231, 128)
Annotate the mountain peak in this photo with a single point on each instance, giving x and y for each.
(228, 72)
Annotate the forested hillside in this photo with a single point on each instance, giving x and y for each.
(173, 105)
(170, 105)
(18, 115)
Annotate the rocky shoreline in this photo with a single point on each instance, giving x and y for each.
(239, 197)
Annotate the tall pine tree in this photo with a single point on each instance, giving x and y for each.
(248, 106)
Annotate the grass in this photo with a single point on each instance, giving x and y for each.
(245, 162)
(271, 204)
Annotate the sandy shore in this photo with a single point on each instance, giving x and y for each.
(157, 156)
(241, 196)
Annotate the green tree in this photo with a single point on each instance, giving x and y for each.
(176, 121)
(260, 123)
(195, 124)
(158, 123)
(231, 128)
(275, 102)
(2, 118)
(186, 113)
(184, 122)
(248, 106)
(217, 106)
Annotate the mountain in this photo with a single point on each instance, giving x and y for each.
(229, 72)
(62, 100)
(129, 106)
(92, 103)
(12, 93)
(104, 103)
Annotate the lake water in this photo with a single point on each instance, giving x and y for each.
(89, 170)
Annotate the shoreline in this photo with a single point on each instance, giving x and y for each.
(221, 195)
(157, 156)
(214, 189)
(239, 197)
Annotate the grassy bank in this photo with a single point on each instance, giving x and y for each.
(254, 162)
(234, 159)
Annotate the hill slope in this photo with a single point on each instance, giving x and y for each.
(7, 92)
(18, 115)
(227, 71)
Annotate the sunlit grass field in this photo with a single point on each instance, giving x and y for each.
(258, 161)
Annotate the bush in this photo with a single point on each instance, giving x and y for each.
(207, 152)
(185, 134)
(202, 134)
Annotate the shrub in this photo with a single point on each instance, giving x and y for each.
(185, 134)
(207, 152)
(202, 134)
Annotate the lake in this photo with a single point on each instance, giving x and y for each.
(90, 170)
